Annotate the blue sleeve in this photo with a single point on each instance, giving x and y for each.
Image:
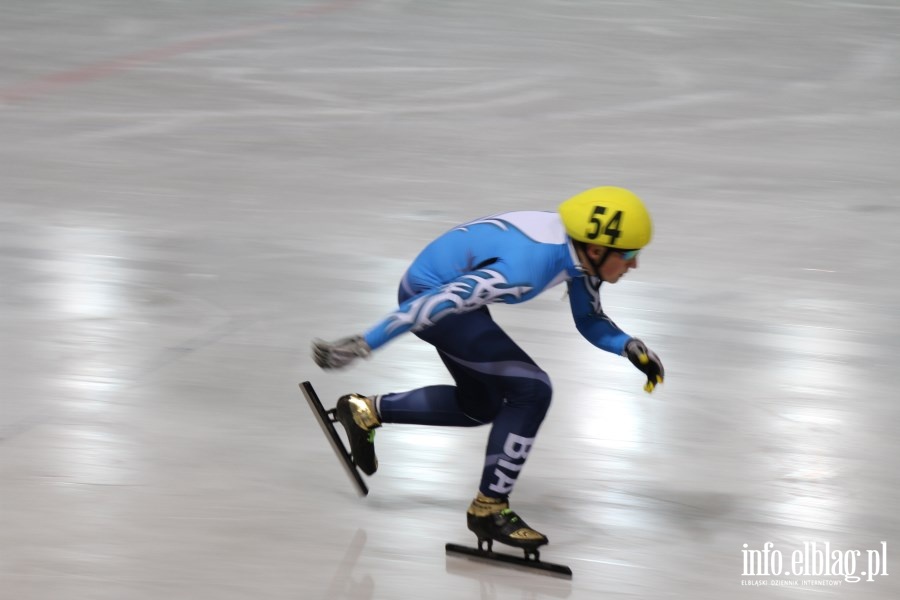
(591, 321)
(466, 293)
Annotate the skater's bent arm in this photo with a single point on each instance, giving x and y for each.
(466, 293)
(591, 321)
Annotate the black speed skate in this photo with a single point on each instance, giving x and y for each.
(360, 419)
(491, 519)
(358, 416)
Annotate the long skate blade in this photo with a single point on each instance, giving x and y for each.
(519, 561)
(331, 433)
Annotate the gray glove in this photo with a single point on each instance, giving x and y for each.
(339, 353)
(647, 361)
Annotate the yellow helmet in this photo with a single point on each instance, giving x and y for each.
(607, 216)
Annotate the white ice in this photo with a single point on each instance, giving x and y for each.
(191, 191)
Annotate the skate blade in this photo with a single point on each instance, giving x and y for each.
(326, 422)
(508, 559)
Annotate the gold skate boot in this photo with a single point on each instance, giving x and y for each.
(360, 419)
(491, 519)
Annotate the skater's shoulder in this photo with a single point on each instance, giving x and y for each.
(543, 227)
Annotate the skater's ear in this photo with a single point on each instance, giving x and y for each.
(595, 253)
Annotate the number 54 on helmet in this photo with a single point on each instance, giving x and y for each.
(607, 216)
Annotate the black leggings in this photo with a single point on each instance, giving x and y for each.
(496, 382)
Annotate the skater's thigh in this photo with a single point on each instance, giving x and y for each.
(479, 397)
(486, 364)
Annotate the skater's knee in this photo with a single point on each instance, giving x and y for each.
(536, 393)
(527, 387)
(543, 395)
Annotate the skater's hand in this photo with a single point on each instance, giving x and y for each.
(646, 361)
(340, 353)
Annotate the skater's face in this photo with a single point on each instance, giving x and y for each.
(615, 265)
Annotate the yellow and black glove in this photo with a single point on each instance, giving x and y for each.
(646, 361)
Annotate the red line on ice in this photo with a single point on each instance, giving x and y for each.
(47, 84)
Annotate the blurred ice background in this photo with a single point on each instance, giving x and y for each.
(191, 191)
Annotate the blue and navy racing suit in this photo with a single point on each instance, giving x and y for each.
(443, 298)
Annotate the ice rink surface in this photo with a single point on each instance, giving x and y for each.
(191, 191)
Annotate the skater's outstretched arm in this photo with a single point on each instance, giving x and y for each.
(507, 258)
(466, 293)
